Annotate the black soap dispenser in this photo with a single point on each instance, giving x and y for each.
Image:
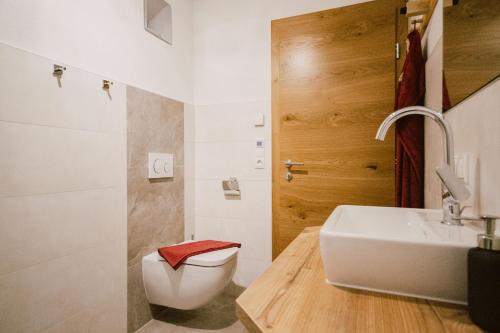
(483, 274)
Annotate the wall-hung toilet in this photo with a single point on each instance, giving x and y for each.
(198, 281)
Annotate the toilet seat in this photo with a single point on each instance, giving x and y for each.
(213, 258)
(207, 259)
(195, 283)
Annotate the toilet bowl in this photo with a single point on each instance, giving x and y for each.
(195, 283)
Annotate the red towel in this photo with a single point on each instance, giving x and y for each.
(175, 255)
(410, 130)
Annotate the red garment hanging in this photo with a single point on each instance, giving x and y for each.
(410, 129)
(446, 96)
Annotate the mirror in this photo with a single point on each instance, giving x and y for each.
(471, 46)
(158, 19)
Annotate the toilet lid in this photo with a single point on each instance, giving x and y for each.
(214, 258)
(208, 259)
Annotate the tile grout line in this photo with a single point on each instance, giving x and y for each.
(111, 132)
(248, 101)
(225, 141)
(239, 179)
(80, 250)
(58, 192)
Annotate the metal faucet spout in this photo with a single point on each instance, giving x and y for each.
(434, 115)
(451, 206)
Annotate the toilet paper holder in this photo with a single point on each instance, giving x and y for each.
(231, 187)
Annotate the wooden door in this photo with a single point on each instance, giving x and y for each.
(333, 81)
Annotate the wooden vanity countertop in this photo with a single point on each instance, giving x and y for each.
(292, 296)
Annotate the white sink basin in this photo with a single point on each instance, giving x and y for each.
(398, 251)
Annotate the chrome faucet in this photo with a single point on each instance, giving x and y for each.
(451, 204)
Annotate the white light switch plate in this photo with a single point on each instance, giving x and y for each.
(462, 167)
(259, 119)
(160, 165)
(466, 167)
(259, 153)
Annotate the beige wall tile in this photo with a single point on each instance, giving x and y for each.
(156, 207)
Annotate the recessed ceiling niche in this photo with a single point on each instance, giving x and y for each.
(158, 19)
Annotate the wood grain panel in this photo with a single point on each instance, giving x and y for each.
(292, 296)
(333, 82)
(471, 46)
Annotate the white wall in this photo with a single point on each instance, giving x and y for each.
(63, 200)
(232, 84)
(106, 37)
(189, 166)
(476, 127)
(52, 243)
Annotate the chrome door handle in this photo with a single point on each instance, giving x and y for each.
(289, 164)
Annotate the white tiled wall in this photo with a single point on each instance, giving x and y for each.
(476, 128)
(106, 37)
(189, 166)
(62, 199)
(232, 85)
(225, 141)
